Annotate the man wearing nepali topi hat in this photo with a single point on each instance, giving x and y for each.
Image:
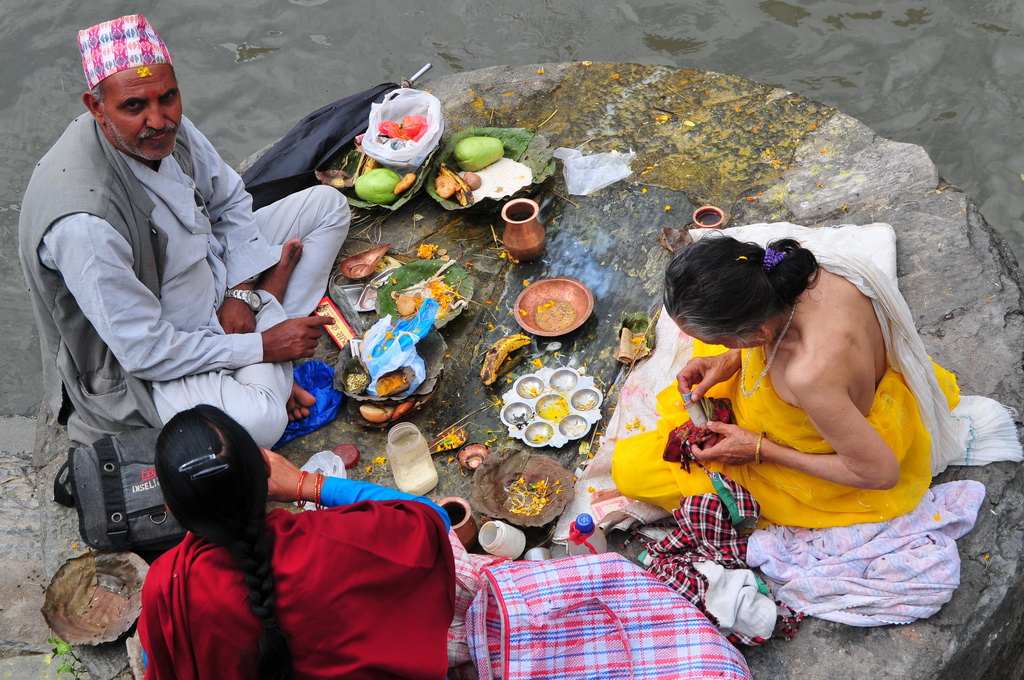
(154, 284)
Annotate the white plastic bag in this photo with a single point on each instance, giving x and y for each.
(324, 463)
(404, 155)
(586, 174)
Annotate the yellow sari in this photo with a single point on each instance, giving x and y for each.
(787, 496)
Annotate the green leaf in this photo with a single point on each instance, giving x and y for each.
(522, 145)
(410, 274)
(637, 323)
(348, 159)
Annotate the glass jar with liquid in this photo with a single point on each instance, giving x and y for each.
(410, 460)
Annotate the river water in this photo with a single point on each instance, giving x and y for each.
(946, 75)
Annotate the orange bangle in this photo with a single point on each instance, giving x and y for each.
(298, 490)
(757, 451)
(320, 479)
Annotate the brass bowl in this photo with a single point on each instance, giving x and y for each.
(551, 307)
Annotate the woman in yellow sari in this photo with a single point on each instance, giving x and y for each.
(825, 432)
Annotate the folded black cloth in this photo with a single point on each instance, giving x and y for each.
(288, 166)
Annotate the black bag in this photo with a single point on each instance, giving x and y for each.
(112, 484)
(288, 166)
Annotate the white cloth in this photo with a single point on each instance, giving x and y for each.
(872, 574)
(736, 603)
(214, 241)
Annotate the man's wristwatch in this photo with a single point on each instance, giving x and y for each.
(249, 297)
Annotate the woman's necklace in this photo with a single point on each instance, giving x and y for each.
(768, 364)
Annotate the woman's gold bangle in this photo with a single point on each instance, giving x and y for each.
(757, 451)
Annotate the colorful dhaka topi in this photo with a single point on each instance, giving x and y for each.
(118, 45)
(708, 543)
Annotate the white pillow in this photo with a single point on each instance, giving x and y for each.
(875, 242)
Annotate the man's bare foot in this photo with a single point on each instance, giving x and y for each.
(275, 280)
(299, 403)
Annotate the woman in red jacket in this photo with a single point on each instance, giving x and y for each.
(363, 589)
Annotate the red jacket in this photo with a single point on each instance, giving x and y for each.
(362, 591)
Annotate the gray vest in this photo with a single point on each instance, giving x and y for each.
(82, 380)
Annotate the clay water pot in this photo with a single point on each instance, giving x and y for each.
(708, 217)
(461, 515)
(524, 236)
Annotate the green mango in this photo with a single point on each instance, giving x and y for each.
(378, 186)
(476, 153)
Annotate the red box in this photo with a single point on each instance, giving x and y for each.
(340, 331)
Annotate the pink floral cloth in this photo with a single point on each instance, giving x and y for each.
(469, 579)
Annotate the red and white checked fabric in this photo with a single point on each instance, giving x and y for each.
(706, 533)
(592, 616)
(120, 44)
(468, 581)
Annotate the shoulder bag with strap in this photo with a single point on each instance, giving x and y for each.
(112, 484)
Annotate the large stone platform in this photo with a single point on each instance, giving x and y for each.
(762, 154)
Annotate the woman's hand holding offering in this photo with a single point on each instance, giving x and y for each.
(731, 444)
(703, 373)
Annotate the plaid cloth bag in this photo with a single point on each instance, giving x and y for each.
(592, 616)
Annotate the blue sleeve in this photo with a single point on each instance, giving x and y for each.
(337, 491)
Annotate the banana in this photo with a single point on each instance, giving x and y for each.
(498, 354)
(365, 164)
(464, 195)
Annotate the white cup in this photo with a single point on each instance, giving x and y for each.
(501, 539)
(537, 554)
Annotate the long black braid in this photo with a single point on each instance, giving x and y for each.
(214, 480)
(253, 555)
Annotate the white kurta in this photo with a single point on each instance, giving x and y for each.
(214, 241)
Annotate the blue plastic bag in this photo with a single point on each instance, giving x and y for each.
(385, 349)
(317, 378)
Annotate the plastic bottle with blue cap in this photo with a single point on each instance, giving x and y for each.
(585, 537)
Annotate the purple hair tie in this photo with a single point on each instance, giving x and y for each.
(771, 258)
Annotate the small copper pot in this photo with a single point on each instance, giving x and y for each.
(708, 217)
(524, 236)
(461, 514)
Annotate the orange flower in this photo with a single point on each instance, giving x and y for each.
(426, 251)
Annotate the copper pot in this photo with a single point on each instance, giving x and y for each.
(461, 514)
(524, 236)
(708, 217)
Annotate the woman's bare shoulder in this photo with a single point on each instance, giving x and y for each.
(842, 344)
